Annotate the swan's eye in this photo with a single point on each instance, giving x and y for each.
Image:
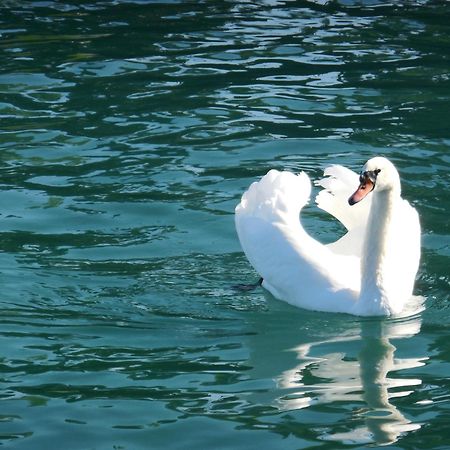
(377, 171)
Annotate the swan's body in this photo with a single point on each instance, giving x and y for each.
(369, 271)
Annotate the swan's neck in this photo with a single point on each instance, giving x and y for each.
(374, 290)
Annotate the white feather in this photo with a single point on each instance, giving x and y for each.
(300, 270)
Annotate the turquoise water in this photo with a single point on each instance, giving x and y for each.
(129, 132)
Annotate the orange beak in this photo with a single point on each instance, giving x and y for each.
(366, 186)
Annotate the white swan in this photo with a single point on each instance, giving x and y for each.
(369, 271)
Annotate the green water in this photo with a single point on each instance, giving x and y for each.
(129, 131)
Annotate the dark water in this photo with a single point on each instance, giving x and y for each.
(129, 130)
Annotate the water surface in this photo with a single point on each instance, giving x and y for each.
(129, 132)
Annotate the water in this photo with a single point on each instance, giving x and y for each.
(129, 132)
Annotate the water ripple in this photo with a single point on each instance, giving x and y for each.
(130, 131)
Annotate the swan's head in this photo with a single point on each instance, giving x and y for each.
(378, 174)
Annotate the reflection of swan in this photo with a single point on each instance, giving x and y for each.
(355, 369)
(369, 271)
(376, 360)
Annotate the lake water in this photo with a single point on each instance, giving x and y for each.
(129, 131)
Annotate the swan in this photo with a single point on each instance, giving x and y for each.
(370, 271)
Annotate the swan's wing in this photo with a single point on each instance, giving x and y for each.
(295, 267)
(338, 185)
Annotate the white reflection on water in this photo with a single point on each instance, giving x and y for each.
(356, 369)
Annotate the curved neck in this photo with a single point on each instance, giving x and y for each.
(375, 250)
